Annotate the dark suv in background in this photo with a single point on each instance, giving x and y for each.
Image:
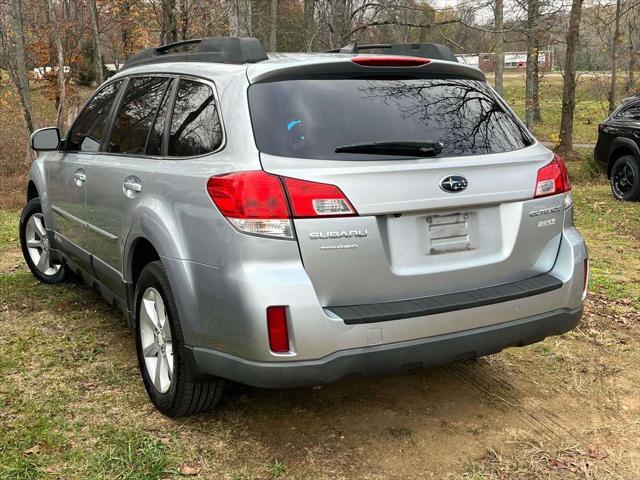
(617, 151)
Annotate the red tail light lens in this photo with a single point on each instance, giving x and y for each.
(311, 199)
(253, 194)
(259, 203)
(277, 329)
(552, 179)
(390, 61)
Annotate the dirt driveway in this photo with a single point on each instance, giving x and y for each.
(72, 405)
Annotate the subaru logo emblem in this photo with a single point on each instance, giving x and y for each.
(453, 183)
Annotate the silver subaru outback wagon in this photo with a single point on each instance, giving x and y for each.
(294, 219)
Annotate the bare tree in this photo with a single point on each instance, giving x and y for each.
(632, 29)
(308, 12)
(166, 14)
(499, 47)
(614, 58)
(532, 109)
(18, 67)
(97, 55)
(57, 41)
(273, 26)
(239, 18)
(569, 86)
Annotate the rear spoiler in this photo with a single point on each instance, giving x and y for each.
(338, 67)
(434, 51)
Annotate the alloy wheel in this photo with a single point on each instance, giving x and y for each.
(623, 180)
(155, 336)
(38, 246)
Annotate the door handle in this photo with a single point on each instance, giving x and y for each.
(80, 177)
(133, 186)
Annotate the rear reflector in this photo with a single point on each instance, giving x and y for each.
(390, 61)
(259, 203)
(552, 179)
(585, 278)
(277, 329)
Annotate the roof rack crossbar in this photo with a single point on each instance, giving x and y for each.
(435, 51)
(232, 50)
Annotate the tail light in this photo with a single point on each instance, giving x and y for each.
(259, 203)
(552, 179)
(390, 61)
(311, 199)
(277, 329)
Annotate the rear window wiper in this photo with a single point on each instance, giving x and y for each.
(409, 148)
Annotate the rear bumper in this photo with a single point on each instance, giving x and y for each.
(388, 358)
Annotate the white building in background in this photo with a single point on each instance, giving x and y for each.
(41, 72)
(471, 60)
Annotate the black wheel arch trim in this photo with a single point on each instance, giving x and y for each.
(621, 143)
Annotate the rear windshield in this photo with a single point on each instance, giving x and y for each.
(310, 118)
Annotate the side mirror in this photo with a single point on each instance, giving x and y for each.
(45, 139)
(628, 99)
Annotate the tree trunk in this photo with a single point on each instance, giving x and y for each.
(18, 70)
(308, 22)
(499, 48)
(533, 7)
(537, 116)
(614, 59)
(632, 58)
(62, 89)
(169, 33)
(273, 27)
(97, 56)
(338, 23)
(239, 18)
(569, 87)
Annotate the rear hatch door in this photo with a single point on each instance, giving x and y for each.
(428, 223)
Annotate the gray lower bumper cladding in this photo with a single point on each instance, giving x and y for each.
(388, 358)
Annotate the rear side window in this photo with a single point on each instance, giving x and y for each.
(136, 114)
(90, 128)
(195, 124)
(632, 112)
(310, 118)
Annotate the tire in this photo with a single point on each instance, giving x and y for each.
(625, 178)
(35, 245)
(176, 390)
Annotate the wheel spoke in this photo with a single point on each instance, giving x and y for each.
(160, 312)
(150, 310)
(157, 380)
(34, 243)
(168, 366)
(43, 263)
(37, 221)
(150, 350)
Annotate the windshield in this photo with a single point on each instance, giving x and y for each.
(311, 118)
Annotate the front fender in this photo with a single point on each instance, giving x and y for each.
(37, 175)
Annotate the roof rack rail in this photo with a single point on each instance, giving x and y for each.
(434, 51)
(212, 49)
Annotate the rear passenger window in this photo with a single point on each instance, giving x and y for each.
(633, 112)
(90, 128)
(195, 124)
(136, 115)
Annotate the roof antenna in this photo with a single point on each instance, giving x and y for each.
(351, 47)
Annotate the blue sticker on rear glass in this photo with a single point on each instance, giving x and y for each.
(292, 124)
